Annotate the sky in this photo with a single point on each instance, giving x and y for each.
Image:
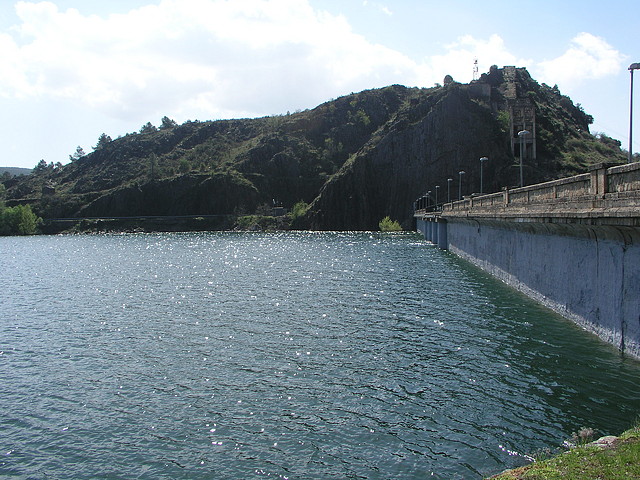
(71, 70)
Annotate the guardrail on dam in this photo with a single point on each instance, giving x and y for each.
(572, 244)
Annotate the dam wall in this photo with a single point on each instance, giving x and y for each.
(578, 254)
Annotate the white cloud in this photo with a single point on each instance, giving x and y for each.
(588, 57)
(379, 6)
(207, 58)
(458, 60)
(212, 59)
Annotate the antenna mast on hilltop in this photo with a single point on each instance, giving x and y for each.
(475, 69)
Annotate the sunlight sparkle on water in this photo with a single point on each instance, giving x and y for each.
(327, 355)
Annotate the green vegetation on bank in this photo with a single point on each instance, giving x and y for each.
(615, 460)
(388, 225)
(261, 223)
(18, 220)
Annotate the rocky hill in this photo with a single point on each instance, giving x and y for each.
(354, 160)
(7, 172)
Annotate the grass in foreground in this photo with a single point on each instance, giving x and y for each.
(620, 461)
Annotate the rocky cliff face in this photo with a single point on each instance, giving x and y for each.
(354, 160)
(429, 141)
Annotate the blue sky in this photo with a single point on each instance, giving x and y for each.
(71, 70)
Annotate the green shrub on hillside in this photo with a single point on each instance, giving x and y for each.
(504, 120)
(299, 209)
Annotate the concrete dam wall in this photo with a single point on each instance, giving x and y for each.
(582, 265)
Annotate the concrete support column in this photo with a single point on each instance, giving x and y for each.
(421, 226)
(435, 232)
(598, 178)
(442, 235)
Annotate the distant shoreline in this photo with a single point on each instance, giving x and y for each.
(165, 223)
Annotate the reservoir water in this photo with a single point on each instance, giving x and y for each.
(284, 356)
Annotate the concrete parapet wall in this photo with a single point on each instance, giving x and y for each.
(624, 178)
(605, 196)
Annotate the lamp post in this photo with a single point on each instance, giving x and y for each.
(449, 180)
(460, 173)
(632, 67)
(437, 187)
(522, 134)
(482, 160)
(428, 195)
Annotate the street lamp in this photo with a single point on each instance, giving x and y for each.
(428, 195)
(482, 160)
(460, 173)
(522, 134)
(632, 67)
(437, 187)
(449, 180)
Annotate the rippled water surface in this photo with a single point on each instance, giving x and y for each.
(298, 355)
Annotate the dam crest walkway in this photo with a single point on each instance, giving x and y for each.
(604, 196)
